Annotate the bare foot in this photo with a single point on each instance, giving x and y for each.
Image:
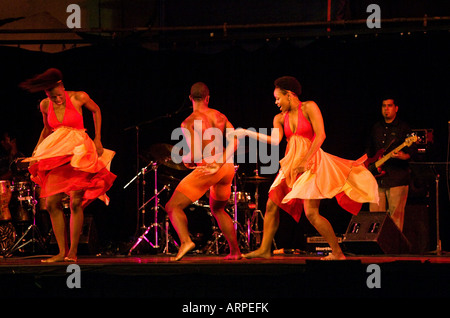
(69, 258)
(233, 256)
(332, 257)
(257, 254)
(53, 259)
(184, 248)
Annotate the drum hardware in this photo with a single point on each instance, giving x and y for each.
(36, 237)
(253, 221)
(214, 246)
(155, 225)
(237, 226)
(162, 153)
(169, 238)
(201, 204)
(219, 241)
(235, 221)
(136, 177)
(252, 233)
(137, 129)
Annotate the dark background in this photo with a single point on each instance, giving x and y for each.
(347, 74)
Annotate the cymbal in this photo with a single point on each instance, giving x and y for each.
(257, 179)
(169, 179)
(162, 154)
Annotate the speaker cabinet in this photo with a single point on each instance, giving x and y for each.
(418, 218)
(371, 233)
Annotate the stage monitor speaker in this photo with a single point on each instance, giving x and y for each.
(371, 233)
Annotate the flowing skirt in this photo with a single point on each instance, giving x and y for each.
(330, 176)
(67, 161)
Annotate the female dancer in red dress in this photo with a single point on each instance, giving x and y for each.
(66, 160)
(307, 173)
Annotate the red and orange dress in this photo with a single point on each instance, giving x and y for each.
(330, 176)
(67, 159)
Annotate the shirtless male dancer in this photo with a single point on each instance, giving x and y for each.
(216, 175)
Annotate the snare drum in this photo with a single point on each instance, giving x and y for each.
(22, 189)
(5, 198)
(241, 197)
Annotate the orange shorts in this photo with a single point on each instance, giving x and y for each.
(195, 185)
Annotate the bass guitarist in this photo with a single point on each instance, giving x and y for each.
(394, 175)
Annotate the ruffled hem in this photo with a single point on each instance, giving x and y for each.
(67, 161)
(330, 176)
(293, 207)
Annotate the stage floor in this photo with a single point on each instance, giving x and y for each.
(204, 277)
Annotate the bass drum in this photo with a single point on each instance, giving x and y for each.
(200, 224)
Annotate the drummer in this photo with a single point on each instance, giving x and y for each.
(216, 176)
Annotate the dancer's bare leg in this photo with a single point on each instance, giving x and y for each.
(271, 223)
(56, 212)
(174, 208)
(324, 228)
(76, 224)
(227, 227)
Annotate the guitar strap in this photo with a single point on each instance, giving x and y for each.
(390, 144)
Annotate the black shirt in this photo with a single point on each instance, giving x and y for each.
(388, 136)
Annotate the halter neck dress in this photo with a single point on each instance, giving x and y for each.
(330, 176)
(67, 159)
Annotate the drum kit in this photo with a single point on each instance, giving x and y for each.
(247, 218)
(243, 208)
(17, 211)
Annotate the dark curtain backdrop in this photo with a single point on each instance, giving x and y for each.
(346, 76)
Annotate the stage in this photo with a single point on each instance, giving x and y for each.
(203, 277)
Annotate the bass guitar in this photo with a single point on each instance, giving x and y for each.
(375, 163)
